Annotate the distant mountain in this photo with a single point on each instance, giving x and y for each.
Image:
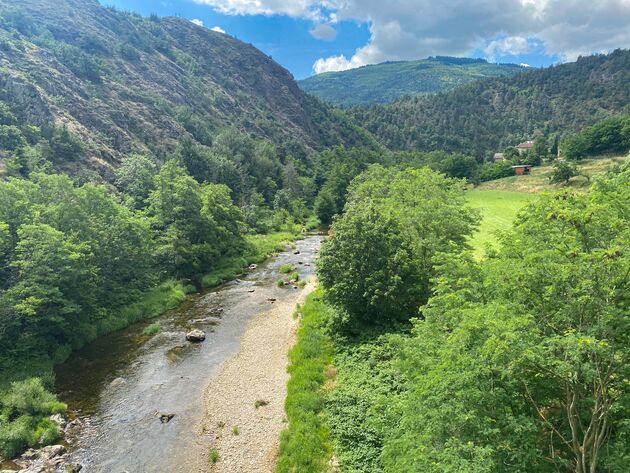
(386, 82)
(486, 116)
(124, 83)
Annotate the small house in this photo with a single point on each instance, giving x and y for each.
(522, 169)
(524, 147)
(498, 157)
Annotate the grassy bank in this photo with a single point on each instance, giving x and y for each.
(305, 444)
(259, 248)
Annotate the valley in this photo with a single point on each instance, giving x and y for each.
(408, 266)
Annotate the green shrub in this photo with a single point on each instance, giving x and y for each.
(281, 283)
(294, 276)
(152, 329)
(213, 455)
(286, 268)
(24, 412)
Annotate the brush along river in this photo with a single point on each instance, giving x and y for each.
(120, 385)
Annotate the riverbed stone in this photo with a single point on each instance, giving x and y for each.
(118, 382)
(196, 335)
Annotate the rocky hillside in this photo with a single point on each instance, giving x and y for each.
(122, 83)
(386, 82)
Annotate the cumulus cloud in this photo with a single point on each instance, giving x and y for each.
(513, 45)
(411, 29)
(336, 63)
(323, 31)
(197, 22)
(218, 29)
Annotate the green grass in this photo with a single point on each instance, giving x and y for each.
(498, 211)
(538, 180)
(152, 329)
(286, 268)
(305, 443)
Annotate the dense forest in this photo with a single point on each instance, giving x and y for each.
(487, 116)
(386, 82)
(414, 356)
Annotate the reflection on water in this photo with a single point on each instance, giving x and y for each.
(120, 384)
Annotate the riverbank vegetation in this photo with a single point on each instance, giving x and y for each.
(519, 358)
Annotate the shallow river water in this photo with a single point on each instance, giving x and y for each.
(120, 384)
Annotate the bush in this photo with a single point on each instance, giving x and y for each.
(286, 268)
(152, 329)
(24, 412)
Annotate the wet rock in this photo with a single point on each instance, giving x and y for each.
(296, 252)
(196, 335)
(59, 419)
(118, 382)
(295, 287)
(251, 290)
(75, 468)
(216, 310)
(165, 418)
(252, 267)
(272, 299)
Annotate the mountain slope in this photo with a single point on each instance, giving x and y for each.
(486, 116)
(386, 82)
(124, 83)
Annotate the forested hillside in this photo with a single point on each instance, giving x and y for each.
(486, 116)
(386, 82)
(102, 84)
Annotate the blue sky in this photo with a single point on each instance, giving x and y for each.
(326, 35)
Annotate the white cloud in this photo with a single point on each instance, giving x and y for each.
(513, 45)
(336, 63)
(218, 29)
(411, 29)
(323, 31)
(197, 22)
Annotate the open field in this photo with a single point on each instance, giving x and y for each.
(538, 180)
(498, 210)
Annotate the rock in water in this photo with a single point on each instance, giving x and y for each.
(117, 383)
(166, 418)
(196, 335)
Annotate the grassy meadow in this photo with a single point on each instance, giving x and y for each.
(498, 211)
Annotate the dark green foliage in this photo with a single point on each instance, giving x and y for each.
(305, 444)
(608, 136)
(522, 359)
(389, 81)
(492, 171)
(486, 116)
(378, 264)
(562, 172)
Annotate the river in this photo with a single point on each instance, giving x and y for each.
(120, 384)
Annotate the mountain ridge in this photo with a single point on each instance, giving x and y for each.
(391, 80)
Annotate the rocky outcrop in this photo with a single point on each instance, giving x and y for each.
(196, 336)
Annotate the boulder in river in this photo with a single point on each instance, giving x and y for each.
(165, 418)
(196, 335)
(252, 267)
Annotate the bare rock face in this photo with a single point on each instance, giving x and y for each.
(196, 336)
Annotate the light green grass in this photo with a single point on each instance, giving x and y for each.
(305, 443)
(498, 211)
